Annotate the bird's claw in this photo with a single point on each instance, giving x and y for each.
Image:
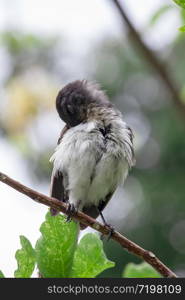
(71, 211)
(111, 231)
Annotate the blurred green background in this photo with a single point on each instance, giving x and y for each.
(150, 209)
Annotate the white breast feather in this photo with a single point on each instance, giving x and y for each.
(93, 168)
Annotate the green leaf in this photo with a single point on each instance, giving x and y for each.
(142, 270)
(159, 13)
(182, 15)
(55, 249)
(90, 259)
(1, 274)
(181, 3)
(25, 259)
(182, 29)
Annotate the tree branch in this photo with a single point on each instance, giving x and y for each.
(152, 59)
(133, 248)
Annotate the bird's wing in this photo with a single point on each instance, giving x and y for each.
(94, 211)
(57, 188)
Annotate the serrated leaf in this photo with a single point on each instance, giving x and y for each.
(182, 29)
(1, 274)
(90, 259)
(142, 270)
(25, 259)
(181, 3)
(55, 249)
(159, 13)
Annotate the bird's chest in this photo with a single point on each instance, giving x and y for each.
(94, 165)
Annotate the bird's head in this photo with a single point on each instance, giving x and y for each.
(77, 100)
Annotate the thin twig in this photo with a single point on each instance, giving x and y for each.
(133, 248)
(152, 59)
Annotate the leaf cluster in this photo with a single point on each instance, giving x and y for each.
(57, 254)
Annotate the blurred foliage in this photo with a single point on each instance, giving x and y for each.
(181, 3)
(25, 102)
(1, 275)
(165, 9)
(182, 28)
(159, 13)
(182, 14)
(26, 50)
(160, 169)
(142, 270)
(34, 74)
(30, 87)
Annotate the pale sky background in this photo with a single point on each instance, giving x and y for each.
(82, 23)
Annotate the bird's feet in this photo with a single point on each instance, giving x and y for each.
(71, 211)
(54, 211)
(111, 231)
(110, 227)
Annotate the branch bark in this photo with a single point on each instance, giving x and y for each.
(127, 244)
(153, 60)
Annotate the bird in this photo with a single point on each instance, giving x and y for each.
(94, 152)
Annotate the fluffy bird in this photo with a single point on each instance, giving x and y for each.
(94, 151)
